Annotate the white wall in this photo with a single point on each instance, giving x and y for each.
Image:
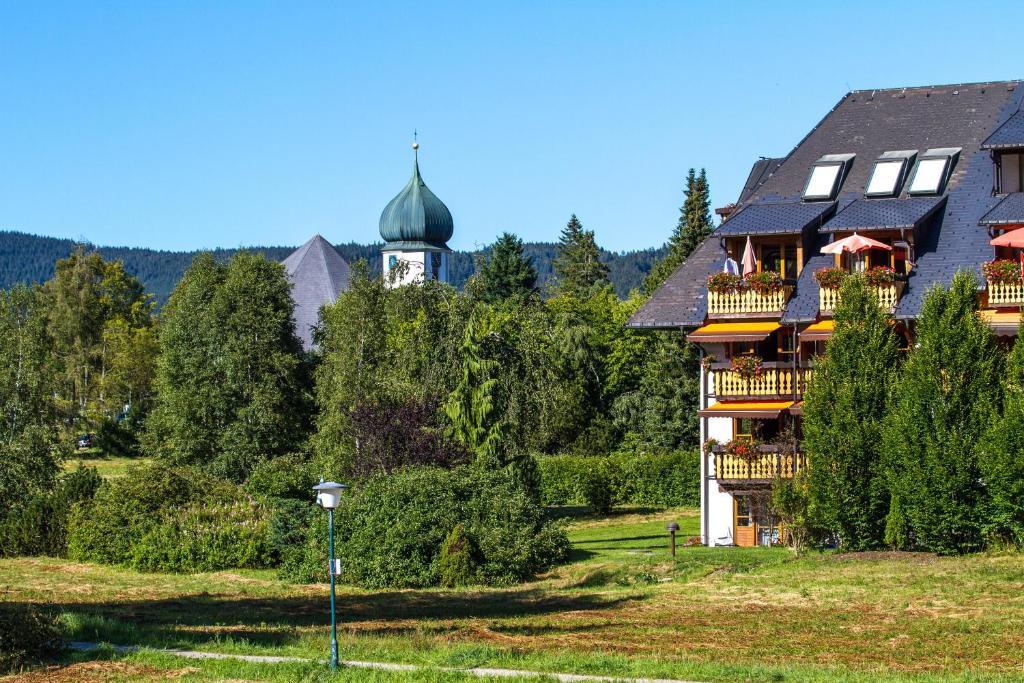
(419, 263)
(716, 517)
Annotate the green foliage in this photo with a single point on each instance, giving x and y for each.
(897, 531)
(392, 528)
(30, 446)
(791, 502)
(599, 487)
(695, 225)
(39, 525)
(27, 635)
(232, 387)
(844, 409)
(164, 518)
(117, 438)
(475, 406)
(290, 524)
(578, 265)
(946, 400)
(458, 564)
(288, 476)
(1001, 457)
(204, 537)
(647, 479)
(506, 272)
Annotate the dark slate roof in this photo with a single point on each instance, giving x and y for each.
(318, 275)
(884, 214)
(682, 300)
(803, 305)
(1010, 134)
(1009, 210)
(775, 218)
(760, 172)
(417, 215)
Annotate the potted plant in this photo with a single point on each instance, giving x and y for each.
(765, 282)
(725, 283)
(1002, 271)
(830, 278)
(745, 448)
(880, 276)
(748, 367)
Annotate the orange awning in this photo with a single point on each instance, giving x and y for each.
(726, 332)
(1013, 238)
(819, 331)
(1003, 323)
(764, 409)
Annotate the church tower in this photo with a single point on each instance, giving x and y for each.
(416, 227)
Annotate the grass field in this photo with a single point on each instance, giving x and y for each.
(108, 466)
(621, 606)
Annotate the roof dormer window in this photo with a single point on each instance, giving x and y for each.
(932, 171)
(889, 172)
(826, 176)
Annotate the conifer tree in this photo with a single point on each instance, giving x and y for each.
(694, 226)
(946, 399)
(1002, 455)
(578, 265)
(844, 409)
(507, 272)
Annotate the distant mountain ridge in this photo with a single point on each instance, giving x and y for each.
(26, 258)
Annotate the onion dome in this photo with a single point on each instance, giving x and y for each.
(416, 218)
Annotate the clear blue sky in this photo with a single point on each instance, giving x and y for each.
(183, 125)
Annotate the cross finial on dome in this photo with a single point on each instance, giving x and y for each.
(415, 143)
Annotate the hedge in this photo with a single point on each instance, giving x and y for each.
(654, 480)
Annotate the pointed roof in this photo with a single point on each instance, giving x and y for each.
(416, 215)
(318, 275)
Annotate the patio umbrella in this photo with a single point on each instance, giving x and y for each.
(1014, 238)
(854, 244)
(749, 262)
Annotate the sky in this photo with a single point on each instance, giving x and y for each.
(181, 125)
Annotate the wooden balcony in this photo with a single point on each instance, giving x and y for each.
(777, 379)
(887, 295)
(765, 468)
(747, 302)
(1005, 294)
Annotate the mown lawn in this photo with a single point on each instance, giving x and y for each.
(108, 466)
(621, 606)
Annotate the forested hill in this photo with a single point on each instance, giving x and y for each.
(30, 258)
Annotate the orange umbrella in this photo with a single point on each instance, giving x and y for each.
(1014, 238)
(854, 244)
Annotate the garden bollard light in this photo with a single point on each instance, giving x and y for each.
(327, 496)
(672, 529)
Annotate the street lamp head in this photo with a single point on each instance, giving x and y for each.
(672, 526)
(328, 493)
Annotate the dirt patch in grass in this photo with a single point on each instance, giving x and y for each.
(886, 555)
(99, 671)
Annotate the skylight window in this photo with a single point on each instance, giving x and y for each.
(826, 176)
(932, 171)
(888, 173)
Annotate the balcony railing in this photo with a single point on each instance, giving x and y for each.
(770, 464)
(747, 301)
(887, 295)
(775, 380)
(1005, 293)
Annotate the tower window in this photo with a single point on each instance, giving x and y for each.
(435, 265)
(392, 261)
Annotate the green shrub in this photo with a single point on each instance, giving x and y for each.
(26, 635)
(391, 529)
(649, 479)
(39, 526)
(288, 476)
(287, 530)
(163, 518)
(117, 438)
(598, 487)
(204, 537)
(457, 563)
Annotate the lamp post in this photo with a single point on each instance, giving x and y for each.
(327, 496)
(672, 529)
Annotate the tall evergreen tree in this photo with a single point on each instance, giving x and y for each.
(578, 265)
(1002, 455)
(844, 410)
(232, 387)
(694, 226)
(474, 407)
(506, 272)
(946, 399)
